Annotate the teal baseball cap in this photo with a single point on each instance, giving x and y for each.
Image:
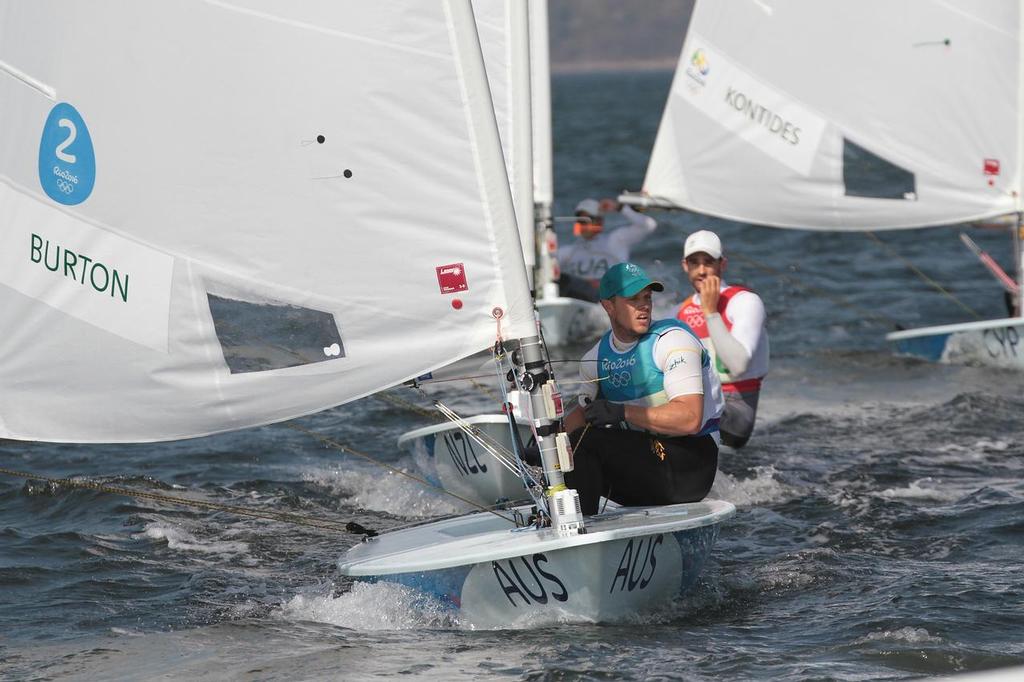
(626, 279)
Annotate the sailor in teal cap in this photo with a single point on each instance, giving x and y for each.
(646, 430)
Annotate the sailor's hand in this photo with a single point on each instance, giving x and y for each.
(604, 413)
(709, 294)
(609, 205)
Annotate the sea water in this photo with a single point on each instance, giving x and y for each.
(880, 502)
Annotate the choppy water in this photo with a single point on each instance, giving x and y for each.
(879, 533)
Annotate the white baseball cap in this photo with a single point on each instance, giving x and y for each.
(704, 241)
(589, 206)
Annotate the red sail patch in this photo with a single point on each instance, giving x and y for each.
(452, 278)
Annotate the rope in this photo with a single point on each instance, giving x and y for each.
(483, 389)
(864, 312)
(285, 517)
(928, 280)
(406, 405)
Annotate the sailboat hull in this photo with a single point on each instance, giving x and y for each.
(630, 561)
(567, 321)
(452, 460)
(995, 343)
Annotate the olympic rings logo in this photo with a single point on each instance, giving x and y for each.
(620, 379)
(65, 186)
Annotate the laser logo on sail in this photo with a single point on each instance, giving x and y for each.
(79, 268)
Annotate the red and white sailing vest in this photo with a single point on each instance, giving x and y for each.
(690, 312)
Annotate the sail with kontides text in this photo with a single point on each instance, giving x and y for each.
(215, 214)
(844, 116)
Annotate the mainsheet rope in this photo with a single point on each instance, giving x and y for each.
(880, 318)
(925, 278)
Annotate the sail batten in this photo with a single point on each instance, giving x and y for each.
(797, 117)
(260, 227)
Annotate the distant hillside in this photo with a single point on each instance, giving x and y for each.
(606, 35)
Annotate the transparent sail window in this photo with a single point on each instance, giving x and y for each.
(256, 337)
(868, 175)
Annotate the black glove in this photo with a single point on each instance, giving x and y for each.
(604, 413)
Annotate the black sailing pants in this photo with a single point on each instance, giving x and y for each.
(625, 466)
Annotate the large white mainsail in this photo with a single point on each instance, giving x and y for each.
(787, 113)
(221, 214)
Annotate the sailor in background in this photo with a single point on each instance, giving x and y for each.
(585, 261)
(730, 320)
(646, 431)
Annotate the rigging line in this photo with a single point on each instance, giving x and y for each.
(345, 448)
(864, 312)
(483, 389)
(468, 377)
(924, 277)
(285, 517)
(407, 405)
(491, 446)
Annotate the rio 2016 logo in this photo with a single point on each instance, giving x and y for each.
(699, 60)
(620, 379)
(67, 162)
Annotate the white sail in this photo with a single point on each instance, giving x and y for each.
(503, 26)
(844, 116)
(227, 213)
(540, 87)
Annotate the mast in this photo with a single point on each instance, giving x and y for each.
(540, 91)
(546, 412)
(534, 377)
(522, 154)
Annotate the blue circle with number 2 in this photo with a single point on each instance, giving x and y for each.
(67, 162)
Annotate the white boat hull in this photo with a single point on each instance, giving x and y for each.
(995, 343)
(450, 459)
(568, 321)
(630, 561)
